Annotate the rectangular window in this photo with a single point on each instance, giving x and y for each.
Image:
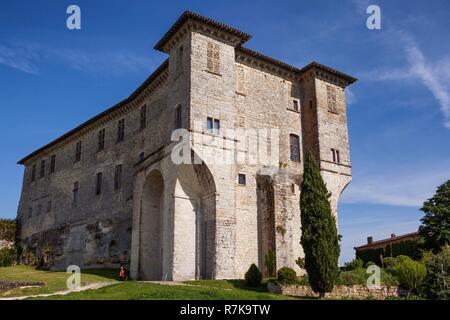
(42, 174)
(336, 156)
(178, 117)
(209, 125)
(120, 130)
(213, 125)
(295, 147)
(75, 192)
(39, 209)
(78, 152)
(143, 117)
(213, 57)
(241, 179)
(30, 212)
(52, 163)
(98, 183)
(101, 140)
(118, 177)
(33, 173)
(216, 128)
(293, 188)
(49, 206)
(295, 105)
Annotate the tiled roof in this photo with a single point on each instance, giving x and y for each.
(195, 16)
(389, 240)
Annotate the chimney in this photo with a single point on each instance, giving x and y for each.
(369, 240)
(393, 235)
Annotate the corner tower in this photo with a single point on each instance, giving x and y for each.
(324, 123)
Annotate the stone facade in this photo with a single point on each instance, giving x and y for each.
(339, 292)
(188, 221)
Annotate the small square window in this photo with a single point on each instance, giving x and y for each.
(241, 179)
(213, 125)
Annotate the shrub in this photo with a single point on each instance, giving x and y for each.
(403, 258)
(370, 263)
(353, 277)
(354, 264)
(270, 263)
(410, 274)
(8, 257)
(253, 276)
(437, 281)
(287, 275)
(389, 262)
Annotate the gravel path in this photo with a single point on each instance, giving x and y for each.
(91, 286)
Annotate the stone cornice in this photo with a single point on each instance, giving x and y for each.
(262, 61)
(150, 85)
(195, 21)
(323, 72)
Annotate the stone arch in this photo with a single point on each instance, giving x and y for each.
(151, 228)
(194, 203)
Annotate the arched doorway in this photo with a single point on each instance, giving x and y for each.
(194, 200)
(151, 228)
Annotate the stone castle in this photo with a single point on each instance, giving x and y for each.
(109, 193)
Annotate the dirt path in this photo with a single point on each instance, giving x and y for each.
(91, 286)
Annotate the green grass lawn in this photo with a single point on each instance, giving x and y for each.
(55, 281)
(131, 290)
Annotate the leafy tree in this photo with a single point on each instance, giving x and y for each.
(7, 229)
(319, 239)
(435, 228)
(437, 282)
(354, 264)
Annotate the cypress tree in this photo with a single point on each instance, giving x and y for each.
(319, 239)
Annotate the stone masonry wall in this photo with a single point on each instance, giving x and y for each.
(339, 292)
(97, 230)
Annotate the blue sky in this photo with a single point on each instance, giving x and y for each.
(52, 79)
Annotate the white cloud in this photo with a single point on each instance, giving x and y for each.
(435, 76)
(408, 188)
(350, 96)
(430, 76)
(19, 59)
(31, 58)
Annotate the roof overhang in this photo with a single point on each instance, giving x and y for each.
(195, 17)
